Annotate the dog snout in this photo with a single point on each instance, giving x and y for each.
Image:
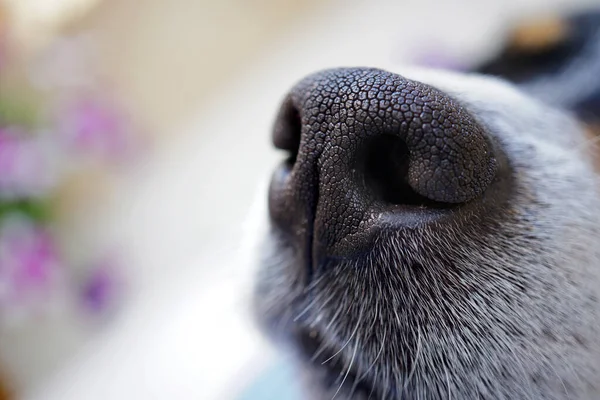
(365, 146)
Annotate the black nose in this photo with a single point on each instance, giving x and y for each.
(365, 144)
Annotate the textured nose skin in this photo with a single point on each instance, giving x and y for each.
(364, 142)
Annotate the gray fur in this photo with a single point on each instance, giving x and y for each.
(498, 307)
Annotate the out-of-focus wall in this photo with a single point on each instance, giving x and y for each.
(166, 57)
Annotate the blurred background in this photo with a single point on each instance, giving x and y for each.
(134, 142)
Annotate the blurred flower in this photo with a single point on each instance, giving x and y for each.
(96, 128)
(437, 59)
(101, 288)
(29, 263)
(26, 165)
(51, 125)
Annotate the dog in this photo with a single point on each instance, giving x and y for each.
(432, 235)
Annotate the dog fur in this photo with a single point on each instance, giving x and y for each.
(497, 301)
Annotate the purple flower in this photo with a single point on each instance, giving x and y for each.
(97, 127)
(432, 57)
(101, 288)
(26, 166)
(37, 258)
(28, 263)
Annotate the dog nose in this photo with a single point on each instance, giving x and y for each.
(365, 144)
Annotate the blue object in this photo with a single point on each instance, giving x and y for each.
(277, 383)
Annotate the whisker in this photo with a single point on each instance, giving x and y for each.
(337, 313)
(347, 371)
(519, 362)
(322, 347)
(561, 381)
(386, 386)
(349, 339)
(311, 304)
(555, 373)
(448, 383)
(315, 283)
(590, 142)
(376, 358)
(415, 361)
(569, 365)
(303, 312)
(320, 350)
(371, 392)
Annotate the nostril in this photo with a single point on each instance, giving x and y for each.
(386, 169)
(288, 129)
(410, 143)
